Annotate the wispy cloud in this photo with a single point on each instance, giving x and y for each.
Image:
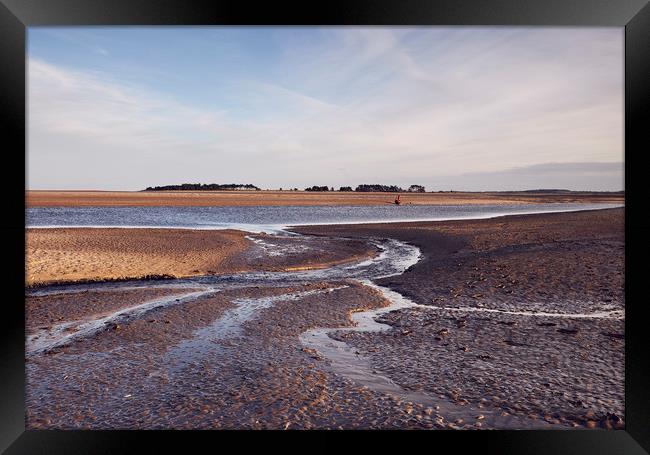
(596, 176)
(397, 105)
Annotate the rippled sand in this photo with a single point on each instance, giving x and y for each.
(518, 322)
(166, 370)
(65, 255)
(522, 314)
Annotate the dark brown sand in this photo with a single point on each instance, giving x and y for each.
(508, 261)
(45, 311)
(564, 370)
(140, 374)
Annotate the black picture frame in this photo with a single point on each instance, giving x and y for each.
(17, 15)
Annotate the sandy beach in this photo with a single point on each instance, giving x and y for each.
(65, 255)
(68, 255)
(301, 198)
(519, 326)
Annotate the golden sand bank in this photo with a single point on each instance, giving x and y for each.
(62, 255)
(65, 255)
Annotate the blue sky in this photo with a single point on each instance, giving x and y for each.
(463, 108)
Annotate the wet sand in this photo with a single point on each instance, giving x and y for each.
(521, 317)
(304, 198)
(156, 372)
(42, 312)
(68, 255)
(508, 262)
(487, 340)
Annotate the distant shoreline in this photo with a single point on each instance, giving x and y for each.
(90, 198)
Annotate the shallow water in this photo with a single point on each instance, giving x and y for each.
(229, 325)
(60, 334)
(272, 219)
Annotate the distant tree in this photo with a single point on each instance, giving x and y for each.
(366, 188)
(317, 188)
(204, 187)
(345, 188)
(416, 189)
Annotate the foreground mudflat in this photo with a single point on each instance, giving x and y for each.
(523, 314)
(515, 322)
(205, 364)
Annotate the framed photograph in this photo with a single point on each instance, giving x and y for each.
(351, 216)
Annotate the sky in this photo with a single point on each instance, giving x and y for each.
(450, 108)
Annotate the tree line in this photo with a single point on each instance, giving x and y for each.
(204, 187)
(374, 188)
(365, 188)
